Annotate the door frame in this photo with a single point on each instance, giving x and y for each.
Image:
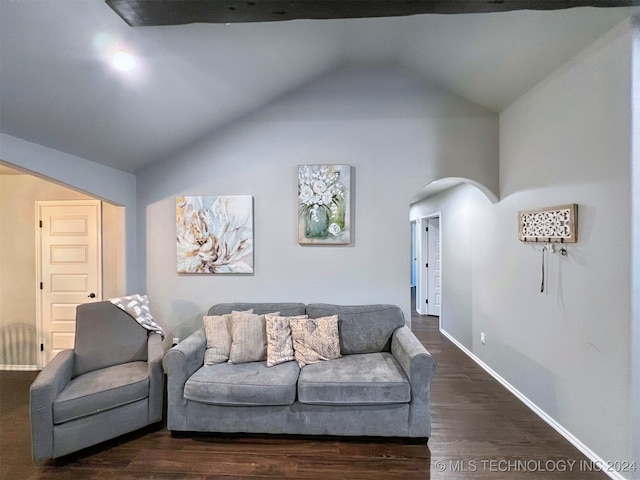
(414, 253)
(433, 275)
(39, 292)
(422, 254)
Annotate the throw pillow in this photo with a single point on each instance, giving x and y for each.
(315, 339)
(217, 330)
(279, 344)
(248, 337)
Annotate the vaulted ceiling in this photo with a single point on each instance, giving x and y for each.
(57, 87)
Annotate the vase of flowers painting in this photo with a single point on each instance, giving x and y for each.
(324, 204)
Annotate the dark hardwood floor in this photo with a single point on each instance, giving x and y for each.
(480, 430)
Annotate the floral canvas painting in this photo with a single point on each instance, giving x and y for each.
(214, 234)
(324, 204)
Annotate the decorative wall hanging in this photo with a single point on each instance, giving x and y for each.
(324, 204)
(549, 225)
(214, 234)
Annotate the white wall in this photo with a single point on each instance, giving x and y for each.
(568, 349)
(99, 181)
(395, 131)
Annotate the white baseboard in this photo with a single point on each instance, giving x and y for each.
(23, 368)
(590, 454)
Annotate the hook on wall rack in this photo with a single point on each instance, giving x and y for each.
(549, 226)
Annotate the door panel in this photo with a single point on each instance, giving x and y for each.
(64, 254)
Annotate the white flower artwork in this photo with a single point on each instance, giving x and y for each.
(214, 234)
(324, 204)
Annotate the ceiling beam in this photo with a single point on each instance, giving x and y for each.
(179, 12)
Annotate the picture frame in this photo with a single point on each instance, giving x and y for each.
(324, 205)
(214, 234)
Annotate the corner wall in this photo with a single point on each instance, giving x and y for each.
(396, 132)
(568, 349)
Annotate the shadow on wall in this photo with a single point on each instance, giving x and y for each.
(18, 345)
(192, 314)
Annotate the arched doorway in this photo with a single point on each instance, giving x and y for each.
(19, 192)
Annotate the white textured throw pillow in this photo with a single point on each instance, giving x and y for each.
(249, 337)
(279, 343)
(315, 339)
(217, 329)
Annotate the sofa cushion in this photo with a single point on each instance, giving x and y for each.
(250, 383)
(363, 328)
(315, 339)
(363, 379)
(101, 390)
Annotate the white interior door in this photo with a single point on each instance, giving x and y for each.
(434, 267)
(69, 264)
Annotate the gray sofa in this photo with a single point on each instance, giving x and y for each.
(379, 387)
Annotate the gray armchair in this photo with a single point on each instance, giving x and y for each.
(110, 384)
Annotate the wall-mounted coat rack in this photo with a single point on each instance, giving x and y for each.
(548, 226)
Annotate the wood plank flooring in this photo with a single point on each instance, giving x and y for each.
(480, 431)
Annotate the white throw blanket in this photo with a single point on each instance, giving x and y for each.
(137, 307)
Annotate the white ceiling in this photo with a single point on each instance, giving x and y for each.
(57, 90)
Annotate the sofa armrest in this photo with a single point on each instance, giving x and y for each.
(179, 363)
(185, 358)
(420, 368)
(155, 352)
(415, 360)
(44, 389)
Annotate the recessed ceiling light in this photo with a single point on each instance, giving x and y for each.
(123, 61)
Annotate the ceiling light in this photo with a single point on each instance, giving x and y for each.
(123, 61)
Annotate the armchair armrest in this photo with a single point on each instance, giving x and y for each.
(155, 351)
(420, 368)
(179, 363)
(44, 389)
